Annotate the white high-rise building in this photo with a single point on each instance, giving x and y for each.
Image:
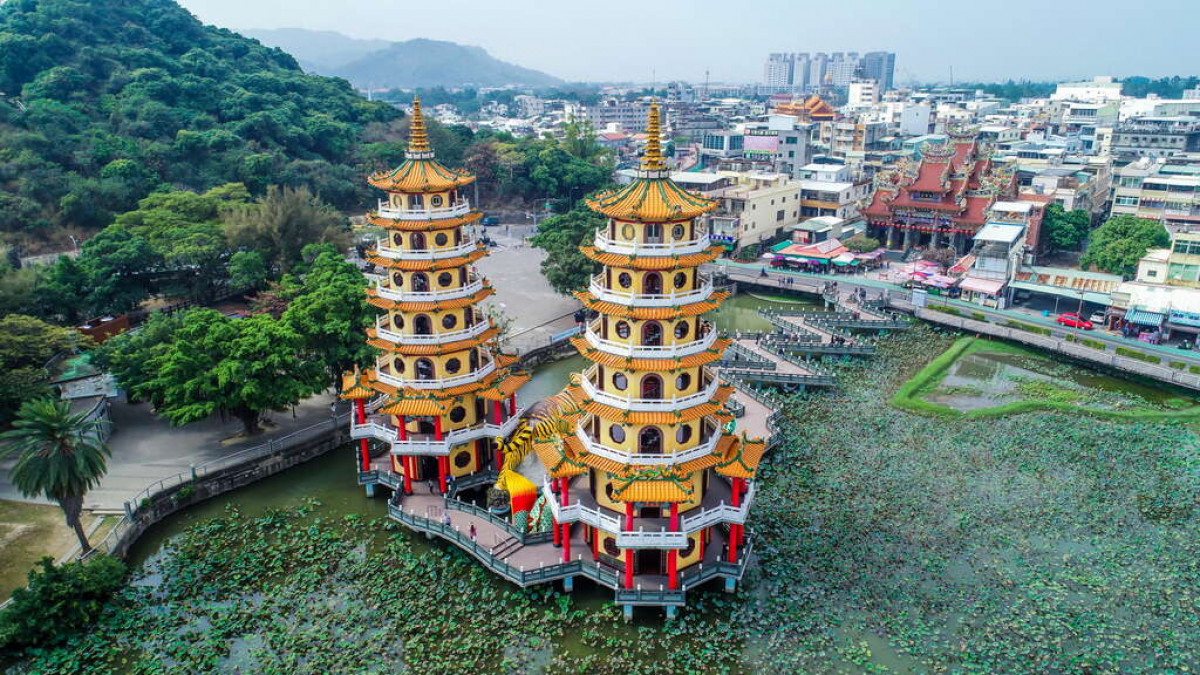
(778, 70)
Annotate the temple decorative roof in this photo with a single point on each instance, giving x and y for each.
(652, 313)
(653, 197)
(741, 459)
(418, 265)
(426, 225)
(374, 298)
(355, 385)
(643, 262)
(668, 364)
(420, 172)
(427, 349)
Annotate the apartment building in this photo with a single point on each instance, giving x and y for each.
(755, 209)
(1158, 191)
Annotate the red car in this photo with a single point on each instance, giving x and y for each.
(1074, 321)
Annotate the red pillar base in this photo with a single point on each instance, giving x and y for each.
(566, 542)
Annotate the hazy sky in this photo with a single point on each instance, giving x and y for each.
(675, 39)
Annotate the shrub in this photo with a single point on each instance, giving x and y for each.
(1094, 344)
(1140, 356)
(1029, 328)
(1195, 370)
(58, 601)
(979, 316)
(945, 309)
(1177, 365)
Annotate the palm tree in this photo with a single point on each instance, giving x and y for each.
(59, 456)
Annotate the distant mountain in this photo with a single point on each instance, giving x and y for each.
(317, 51)
(379, 64)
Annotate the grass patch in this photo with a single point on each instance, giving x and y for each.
(28, 532)
(1045, 396)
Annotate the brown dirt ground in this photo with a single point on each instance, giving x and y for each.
(27, 533)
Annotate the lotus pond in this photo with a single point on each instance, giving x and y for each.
(885, 542)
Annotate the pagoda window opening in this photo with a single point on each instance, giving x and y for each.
(652, 334)
(474, 359)
(424, 369)
(650, 441)
(422, 325)
(654, 233)
(462, 276)
(416, 240)
(470, 317)
(652, 284)
(414, 202)
(420, 282)
(441, 239)
(681, 330)
(650, 560)
(652, 387)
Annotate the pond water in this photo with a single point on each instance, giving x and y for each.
(740, 313)
(986, 379)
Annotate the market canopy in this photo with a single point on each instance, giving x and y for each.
(1144, 318)
(987, 286)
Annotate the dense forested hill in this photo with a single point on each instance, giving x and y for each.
(103, 101)
(400, 65)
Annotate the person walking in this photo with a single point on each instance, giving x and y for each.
(472, 532)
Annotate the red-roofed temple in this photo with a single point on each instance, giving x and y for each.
(941, 199)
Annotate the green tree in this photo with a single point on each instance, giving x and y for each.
(58, 600)
(130, 355)
(565, 266)
(1065, 230)
(59, 457)
(331, 315)
(116, 263)
(281, 223)
(248, 270)
(244, 367)
(26, 344)
(861, 243)
(63, 291)
(1118, 244)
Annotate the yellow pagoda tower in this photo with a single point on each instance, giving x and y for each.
(651, 477)
(441, 393)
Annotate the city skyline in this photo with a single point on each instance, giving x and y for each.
(977, 43)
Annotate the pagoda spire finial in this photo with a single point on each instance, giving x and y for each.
(418, 141)
(652, 158)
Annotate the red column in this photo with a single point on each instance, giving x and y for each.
(628, 516)
(703, 538)
(735, 530)
(403, 428)
(497, 409)
(437, 427)
(499, 456)
(564, 490)
(673, 554)
(566, 542)
(629, 569)
(443, 466)
(512, 404)
(364, 450)
(408, 473)
(595, 543)
(555, 531)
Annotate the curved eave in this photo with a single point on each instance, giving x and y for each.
(430, 349)
(668, 365)
(651, 262)
(427, 265)
(373, 298)
(713, 407)
(742, 458)
(427, 225)
(652, 313)
(420, 176)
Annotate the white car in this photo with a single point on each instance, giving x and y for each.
(1098, 318)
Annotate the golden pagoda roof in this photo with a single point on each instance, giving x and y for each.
(713, 408)
(557, 463)
(426, 225)
(373, 298)
(647, 313)
(426, 265)
(506, 385)
(414, 406)
(653, 197)
(741, 459)
(653, 484)
(642, 262)
(355, 385)
(669, 364)
(498, 385)
(420, 172)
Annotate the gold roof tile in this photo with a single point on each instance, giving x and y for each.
(645, 313)
(642, 262)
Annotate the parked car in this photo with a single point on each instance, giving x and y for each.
(489, 221)
(1098, 318)
(1072, 320)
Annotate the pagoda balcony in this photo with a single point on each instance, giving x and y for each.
(628, 402)
(425, 253)
(390, 293)
(383, 330)
(707, 340)
(597, 448)
(380, 428)
(652, 248)
(387, 377)
(672, 299)
(716, 508)
(460, 208)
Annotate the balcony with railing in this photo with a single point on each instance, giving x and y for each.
(638, 404)
(380, 428)
(654, 246)
(460, 208)
(708, 337)
(396, 253)
(474, 285)
(669, 299)
(595, 447)
(385, 331)
(386, 375)
(716, 508)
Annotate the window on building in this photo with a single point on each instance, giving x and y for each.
(779, 215)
